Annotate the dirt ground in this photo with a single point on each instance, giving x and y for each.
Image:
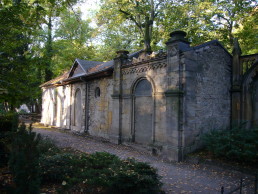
(183, 177)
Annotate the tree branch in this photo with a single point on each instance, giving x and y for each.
(132, 19)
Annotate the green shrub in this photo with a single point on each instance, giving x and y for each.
(99, 173)
(135, 177)
(235, 144)
(60, 167)
(24, 160)
(47, 147)
(8, 124)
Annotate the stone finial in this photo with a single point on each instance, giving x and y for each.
(122, 54)
(178, 35)
(236, 47)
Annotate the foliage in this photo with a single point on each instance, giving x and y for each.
(202, 20)
(235, 144)
(8, 122)
(72, 40)
(16, 34)
(47, 147)
(24, 160)
(99, 173)
(23, 67)
(138, 17)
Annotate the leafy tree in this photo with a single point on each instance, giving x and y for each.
(23, 64)
(229, 15)
(72, 40)
(247, 33)
(53, 10)
(17, 24)
(202, 20)
(139, 15)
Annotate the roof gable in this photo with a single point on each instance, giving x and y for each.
(80, 67)
(76, 70)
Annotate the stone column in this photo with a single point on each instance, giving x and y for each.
(116, 127)
(174, 95)
(236, 85)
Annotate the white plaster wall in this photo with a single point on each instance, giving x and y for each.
(48, 106)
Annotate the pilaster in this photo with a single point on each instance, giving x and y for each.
(236, 84)
(116, 127)
(174, 94)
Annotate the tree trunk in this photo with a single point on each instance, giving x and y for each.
(147, 37)
(49, 51)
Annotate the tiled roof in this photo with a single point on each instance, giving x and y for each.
(101, 67)
(90, 67)
(87, 64)
(55, 80)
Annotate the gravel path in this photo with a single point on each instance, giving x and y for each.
(177, 177)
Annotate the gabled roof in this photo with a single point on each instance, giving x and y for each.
(87, 64)
(80, 67)
(56, 80)
(101, 67)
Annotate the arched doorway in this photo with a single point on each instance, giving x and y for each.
(77, 108)
(143, 111)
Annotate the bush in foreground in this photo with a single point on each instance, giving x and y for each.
(24, 160)
(8, 124)
(235, 144)
(99, 173)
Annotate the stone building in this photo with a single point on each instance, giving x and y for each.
(160, 101)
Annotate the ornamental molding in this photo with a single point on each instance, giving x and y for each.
(143, 68)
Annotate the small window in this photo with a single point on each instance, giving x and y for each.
(97, 92)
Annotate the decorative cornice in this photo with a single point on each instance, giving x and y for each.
(144, 68)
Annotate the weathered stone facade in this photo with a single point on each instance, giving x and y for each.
(161, 101)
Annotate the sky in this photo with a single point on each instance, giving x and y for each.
(88, 8)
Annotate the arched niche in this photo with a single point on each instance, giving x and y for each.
(143, 111)
(77, 108)
(250, 97)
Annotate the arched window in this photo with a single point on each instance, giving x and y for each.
(143, 88)
(97, 92)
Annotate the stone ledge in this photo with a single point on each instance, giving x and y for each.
(178, 93)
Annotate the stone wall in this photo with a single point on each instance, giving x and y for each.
(190, 94)
(100, 107)
(207, 99)
(155, 73)
(77, 112)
